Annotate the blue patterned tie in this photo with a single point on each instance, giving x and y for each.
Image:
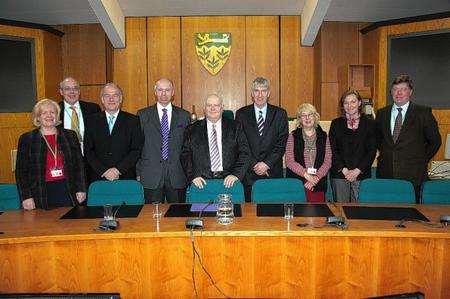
(165, 135)
(111, 123)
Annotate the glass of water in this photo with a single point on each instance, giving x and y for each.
(157, 210)
(225, 211)
(288, 211)
(108, 212)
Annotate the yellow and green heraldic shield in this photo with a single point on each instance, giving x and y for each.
(213, 50)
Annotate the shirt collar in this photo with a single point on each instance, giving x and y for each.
(114, 114)
(76, 105)
(217, 123)
(404, 107)
(263, 109)
(161, 107)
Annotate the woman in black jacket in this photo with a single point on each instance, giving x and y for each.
(353, 143)
(49, 169)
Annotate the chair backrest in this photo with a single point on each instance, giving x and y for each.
(436, 192)
(115, 193)
(278, 191)
(228, 114)
(9, 197)
(386, 191)
(213, 188)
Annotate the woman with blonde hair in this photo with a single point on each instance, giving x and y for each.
(308, 153)
(49, 169)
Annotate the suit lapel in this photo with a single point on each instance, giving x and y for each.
(269, 118)
(205, 145)
(387, 125)
(174, 119)
(409, 120)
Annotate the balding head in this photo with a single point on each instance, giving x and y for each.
(164, 91)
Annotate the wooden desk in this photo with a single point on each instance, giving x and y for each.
(254, 257)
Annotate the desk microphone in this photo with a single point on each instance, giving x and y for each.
(111, 224)
(197, 223)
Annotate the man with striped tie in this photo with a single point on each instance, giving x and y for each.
(407, 137)
(266, 129)
(215, 147)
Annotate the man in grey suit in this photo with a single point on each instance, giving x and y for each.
(159, 168)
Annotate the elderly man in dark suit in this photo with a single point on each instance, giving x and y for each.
(266, 128)
(407, 137)
(74, 111)
(159, 167)
(214, 147)
(113, 139)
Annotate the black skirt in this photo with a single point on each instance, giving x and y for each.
(58, 195)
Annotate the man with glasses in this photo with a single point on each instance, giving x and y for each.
(74, 111)
(266, 128)
(159, 168)
(113, 139)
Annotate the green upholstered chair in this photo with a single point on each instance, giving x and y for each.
(278, 191)
(436, 192)
(213, 188)
(228, 114)
(115, 193)
(386, 191)
(9, 197)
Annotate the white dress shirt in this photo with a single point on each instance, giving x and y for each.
(160, 112)
(394, 113)
(115, 114)
(68, 118)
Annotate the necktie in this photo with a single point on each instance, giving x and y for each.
(165, 135)
(397, 125)
(74, 122)
(260, 123)
(111, 123)
(215, 157)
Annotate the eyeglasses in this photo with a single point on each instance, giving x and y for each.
(68, 89)
(306, 115)
(111, 96)
(166, 90)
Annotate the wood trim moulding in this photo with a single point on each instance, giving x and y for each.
(414, 19)
(31, 25)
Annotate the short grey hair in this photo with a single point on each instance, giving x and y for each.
(113, 85)
(212, 95)
(260, 82)
(62, 84)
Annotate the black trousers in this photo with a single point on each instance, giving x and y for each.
(58, 195)
(165, 193)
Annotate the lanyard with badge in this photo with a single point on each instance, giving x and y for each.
(54, 172)
(309, 148)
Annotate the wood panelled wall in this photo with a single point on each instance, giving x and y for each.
(47, 49)
(266, 46)
(86, 53)
(375, 51)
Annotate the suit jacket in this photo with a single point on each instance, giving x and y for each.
(149, 166)
(268, 148)
(87, 108)
(195, 152)
(31, 162)
(120, 149)
(418, 142)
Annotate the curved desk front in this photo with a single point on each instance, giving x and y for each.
(257, 257)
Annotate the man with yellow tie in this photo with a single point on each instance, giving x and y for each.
(73, 111)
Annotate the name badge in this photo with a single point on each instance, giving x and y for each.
(55, 173)
(311, 170)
